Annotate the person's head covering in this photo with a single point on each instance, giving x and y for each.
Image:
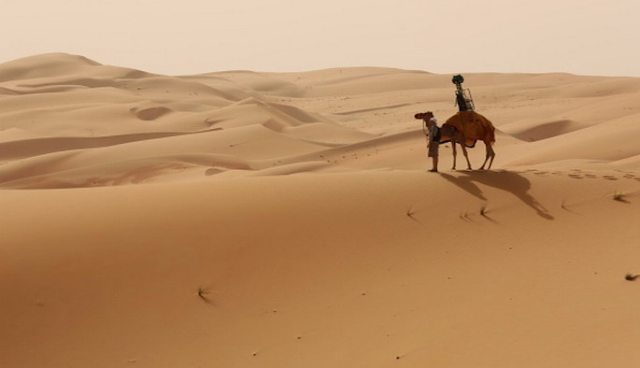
(434, 120)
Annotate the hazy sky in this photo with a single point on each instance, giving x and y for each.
(594, 37)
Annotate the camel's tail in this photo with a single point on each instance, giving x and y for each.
(491, 135)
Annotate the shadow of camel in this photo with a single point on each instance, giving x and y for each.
(508, 181)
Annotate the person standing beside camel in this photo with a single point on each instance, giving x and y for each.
(433, 143)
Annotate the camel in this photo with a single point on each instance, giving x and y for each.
(465, 128)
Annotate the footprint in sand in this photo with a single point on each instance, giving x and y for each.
(575, 176)
(629, 176)
(609, 177)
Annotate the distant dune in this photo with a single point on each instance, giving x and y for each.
(245, 219)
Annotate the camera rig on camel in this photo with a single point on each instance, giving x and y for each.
(464, 100)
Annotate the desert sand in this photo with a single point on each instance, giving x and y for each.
(254, 219)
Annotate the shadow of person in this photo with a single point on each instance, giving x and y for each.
(507, 181)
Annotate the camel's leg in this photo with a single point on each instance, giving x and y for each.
(466, 155)
(493, 155)
(453, 145)
(489, 157)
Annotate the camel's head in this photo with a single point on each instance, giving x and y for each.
(423, 115)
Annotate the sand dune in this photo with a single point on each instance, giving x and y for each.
(252, 219)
